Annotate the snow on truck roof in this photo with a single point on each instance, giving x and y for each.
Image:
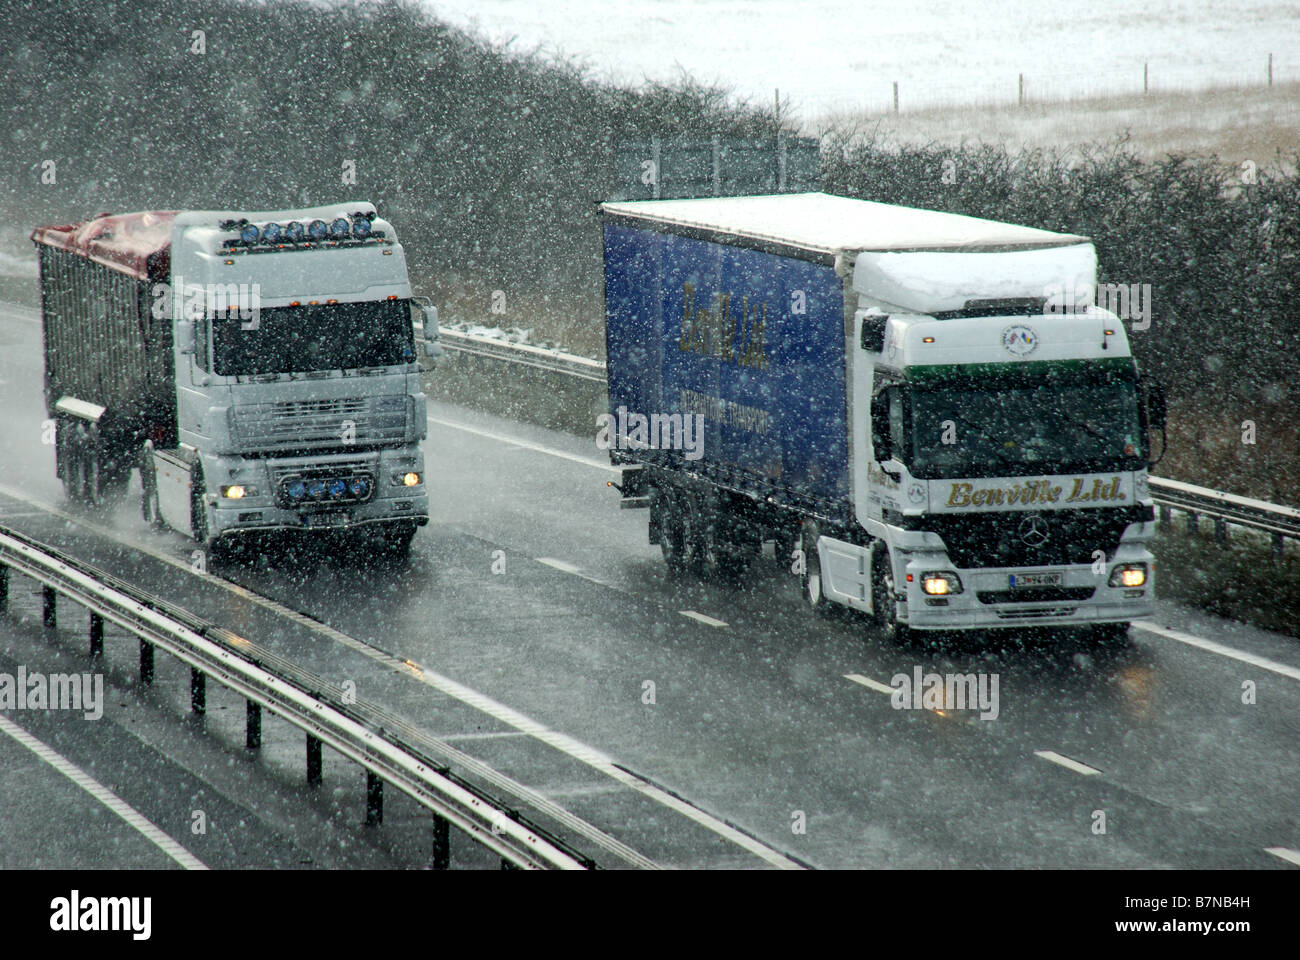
(826, 224)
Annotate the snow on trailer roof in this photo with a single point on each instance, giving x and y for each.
(827, 224)
(134, 243)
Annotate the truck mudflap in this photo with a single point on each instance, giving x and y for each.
(635, 489)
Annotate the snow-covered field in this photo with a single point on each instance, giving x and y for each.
(844, 55)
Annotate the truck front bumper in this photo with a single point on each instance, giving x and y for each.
(267, 508)
(988, 598)
(249, 518)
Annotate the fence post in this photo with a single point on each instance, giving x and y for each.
(96, 635)
(895, 96)
(441, 843)
(253, 726)
(374, 800)
(717, 166)
(1220, 531)
(1192, 521)
(654, 158)
(146, 663)
(1146, 78)
(1278, 541)
(1270, 69)
(1022, 90)
(198, 691)
(49, 607)
(313, 760)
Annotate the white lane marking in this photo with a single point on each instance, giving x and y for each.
(527, 445)
(565, 567)
(493, 735)
(702, 618)
(1066, 762)
(17, 311)
(1284, 853)
(869, 683)
(133, 817)
(560, 565)
(1222, 650)
(507, 715)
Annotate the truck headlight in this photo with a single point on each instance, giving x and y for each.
(941, 583)
(1129, 575)
(238, 491)
(406, 478)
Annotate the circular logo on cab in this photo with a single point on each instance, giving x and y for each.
(916, 492)
(1019, 340)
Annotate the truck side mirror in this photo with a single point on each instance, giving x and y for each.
(185, 337)
(880, 443)
(872, 336)
(1157, 409)
(428, 319)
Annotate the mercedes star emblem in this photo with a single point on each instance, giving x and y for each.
(1033, 530)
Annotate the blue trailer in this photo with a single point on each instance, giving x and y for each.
(782, 368)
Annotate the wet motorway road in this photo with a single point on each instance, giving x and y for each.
(535, 621)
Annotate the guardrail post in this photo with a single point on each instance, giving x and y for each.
(1278, 541)
(96, 635)
(253, 731)
(198, 691)
(1220, 531)
(313, 760)
(1166, 513)
(374, 800)
(1192, 521)
(146, 662)
(49, 607)
(441, 843)
(4, 587)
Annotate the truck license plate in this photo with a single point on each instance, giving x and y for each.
(328, 519)
(1035, 580)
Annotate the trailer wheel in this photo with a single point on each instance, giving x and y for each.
(725, 554)
(883, 603)
(810, 580)
(74, 468)
(95, 487)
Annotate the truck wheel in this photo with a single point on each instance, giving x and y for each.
(397, 542)
(199, 518)
(811, 578)
(882, 601)
(1111, 635)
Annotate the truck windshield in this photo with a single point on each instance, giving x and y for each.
(328, 336)
(966, 426)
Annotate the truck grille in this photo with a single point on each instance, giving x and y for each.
(305, 424)
(998, 539)
(1036, 594)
